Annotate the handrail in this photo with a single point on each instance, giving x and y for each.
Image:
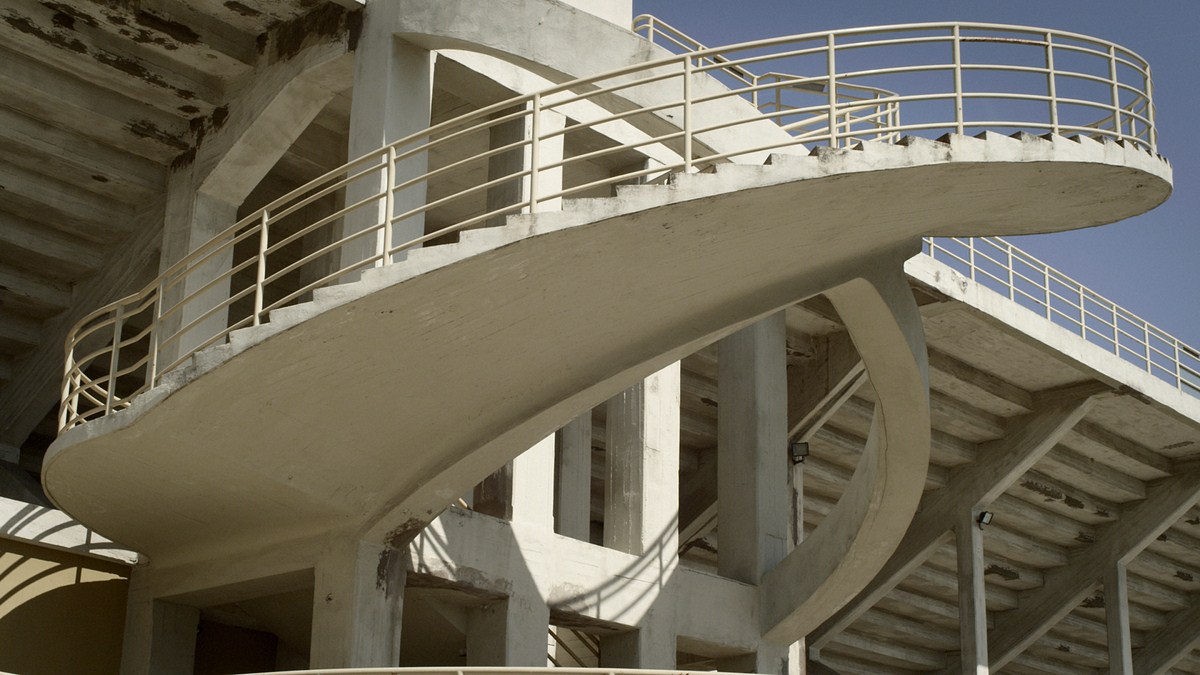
(1031, 283)
(683, 112)
(494, 670)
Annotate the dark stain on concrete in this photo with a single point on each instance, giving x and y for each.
(99, 179)
(1094, 602)
(178, 31)
(1063, 648)
(404, 534)
(70, 15)
(147, 129)
(189, 109)
(708, 401)
(26, 26)
(1192, 521)
(219, 116)
(1180, 574)
(1072, 502)
(63, 20)
(239, 8)
(1085, 538)
(1002, 572)
(326, 22)
(184, 159)
(1103, 513)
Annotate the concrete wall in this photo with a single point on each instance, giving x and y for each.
(619, 12)
(59, 612)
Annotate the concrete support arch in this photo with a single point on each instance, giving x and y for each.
(858, 537)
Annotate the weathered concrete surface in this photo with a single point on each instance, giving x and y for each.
(438, 373)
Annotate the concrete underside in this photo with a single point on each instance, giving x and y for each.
(434, 381)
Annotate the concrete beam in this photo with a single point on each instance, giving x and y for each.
(66, 207)
(972, 600)
(1001, 463)
(981, 382)
(1116, 615)
(1118, 542)
(1172, 643)
(34, 388)
(45, 246)
(19, 329)
(20, 289)
(358, 601)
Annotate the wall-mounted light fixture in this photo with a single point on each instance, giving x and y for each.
(985, 518)
(798, 451)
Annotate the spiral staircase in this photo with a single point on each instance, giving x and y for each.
(215, 414)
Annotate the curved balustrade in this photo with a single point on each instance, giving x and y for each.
(1033, 284)
(580, 139)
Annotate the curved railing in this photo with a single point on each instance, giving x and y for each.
(1031, 283)
(582, 138)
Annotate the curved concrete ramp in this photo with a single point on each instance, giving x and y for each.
(373, 407)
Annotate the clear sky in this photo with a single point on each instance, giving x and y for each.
(1150, 264)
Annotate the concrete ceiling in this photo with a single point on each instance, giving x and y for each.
(97, 101)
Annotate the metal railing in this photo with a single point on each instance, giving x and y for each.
(483, 670)
(679, 113)
(497, 670)
(1031, 283)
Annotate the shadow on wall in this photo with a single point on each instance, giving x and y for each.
(59, 613)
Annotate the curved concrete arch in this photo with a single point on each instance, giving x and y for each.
(860, 534)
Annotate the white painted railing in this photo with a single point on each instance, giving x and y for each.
(497, 670)
(668, 115)
(1031, 283)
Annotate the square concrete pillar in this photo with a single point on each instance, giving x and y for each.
(650, 646)
(972, 597)
(509, 632)
(160, 637)
(752, 461)
(641, 505)
(358, 602)
(519, 132)
(193, 219)
(392, 98)
(573, 478)
(533, 486)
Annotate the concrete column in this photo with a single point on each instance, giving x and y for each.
(752, 462)
(533, 486)
(509, 632)
(393, 95)
(641, 505)
(514, 162)
(192, 219)
(573, 478)
(1116, 612)
(972, 600)
(160, 637)
(650, 646)
(358, 601)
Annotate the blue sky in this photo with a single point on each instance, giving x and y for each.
(1150, 264)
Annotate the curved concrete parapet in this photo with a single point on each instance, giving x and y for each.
(460, 357)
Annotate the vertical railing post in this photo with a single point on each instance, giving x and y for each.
(155, 326)
(971, 256)
(1178, 369)
(389, 207)
(260, 273)
(831, 87)
(535, 153)
(114, 360)
(1116, 331)
(1082, 314)
(69, 401)
(650, 30)
(687, 113)
(1051, 85)
(1046, 290)
(1116, 91)
(1146, 342)
(959, 124)
(1012, 282)
(1153, 133)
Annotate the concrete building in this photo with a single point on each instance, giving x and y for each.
(522, 333)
